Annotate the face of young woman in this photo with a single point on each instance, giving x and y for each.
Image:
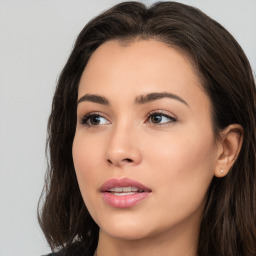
(144, 150)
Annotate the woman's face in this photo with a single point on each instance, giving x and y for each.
(144, 150)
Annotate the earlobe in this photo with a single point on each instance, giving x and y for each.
(231, 139)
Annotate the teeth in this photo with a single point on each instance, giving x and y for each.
(124, 189)
(123, 194)
(117, 189)
(127, 189)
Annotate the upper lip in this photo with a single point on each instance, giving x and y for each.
(124, 182)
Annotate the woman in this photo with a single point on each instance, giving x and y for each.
(152, 139)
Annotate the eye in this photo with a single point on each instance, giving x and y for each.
(160, 118)
(94, 119)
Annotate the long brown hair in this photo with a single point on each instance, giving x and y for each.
(229, 222)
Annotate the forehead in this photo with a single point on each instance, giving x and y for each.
(143, 54)
(141, 67)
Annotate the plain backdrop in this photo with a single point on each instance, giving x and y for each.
(36, 37)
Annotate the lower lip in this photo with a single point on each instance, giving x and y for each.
(124, 201)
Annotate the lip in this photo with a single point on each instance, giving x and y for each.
(123, 201)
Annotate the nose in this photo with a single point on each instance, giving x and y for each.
(123, 148)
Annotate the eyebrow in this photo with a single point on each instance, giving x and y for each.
(157, 96)
(94, 98)
(142, 99)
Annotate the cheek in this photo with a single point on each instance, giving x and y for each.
(86, 159)
(183, 153)
(86, 152)
(183, 167)
(81, 155)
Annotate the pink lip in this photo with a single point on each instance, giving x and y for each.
(124, 201)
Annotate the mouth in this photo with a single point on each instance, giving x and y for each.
(123, 193)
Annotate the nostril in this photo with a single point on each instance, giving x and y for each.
(124, 160)
(128, 160)
(119, 161)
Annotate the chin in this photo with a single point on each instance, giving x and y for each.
(124, 227)
(126, 233)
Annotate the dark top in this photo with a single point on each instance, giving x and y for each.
(76, 252)
(73, 254)
(75, 249)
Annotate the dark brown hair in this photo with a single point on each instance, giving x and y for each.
(228, 226)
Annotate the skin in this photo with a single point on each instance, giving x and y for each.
(175, 159)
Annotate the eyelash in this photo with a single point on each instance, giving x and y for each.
(162, 113)
(86, 120)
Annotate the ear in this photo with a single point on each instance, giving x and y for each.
(229, 146)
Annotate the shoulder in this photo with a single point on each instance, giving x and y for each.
(62, 254)
(75, 249)
(74, 252)
(54, 254)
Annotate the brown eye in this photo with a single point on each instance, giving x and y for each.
(94, 120)
(159, 118)
(156, 118)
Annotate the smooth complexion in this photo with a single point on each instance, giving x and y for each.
(164, 142)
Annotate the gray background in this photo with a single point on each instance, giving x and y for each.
(36, 37)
